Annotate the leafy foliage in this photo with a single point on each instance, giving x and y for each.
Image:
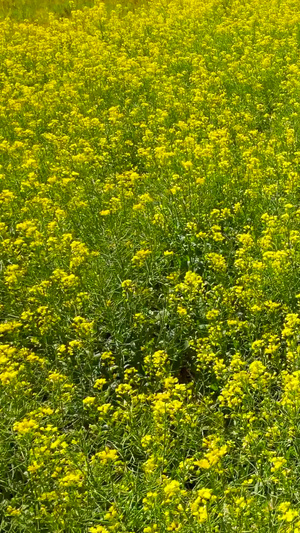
(149, 266)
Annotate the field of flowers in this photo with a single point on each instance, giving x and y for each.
(150, 266)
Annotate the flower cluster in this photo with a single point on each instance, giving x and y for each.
(149, 266)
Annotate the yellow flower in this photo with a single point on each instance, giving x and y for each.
(140, 257)
(99, 383)
(89, 400)
(72, 478)
(25, 426)
(104, 408)
(13, 511)
(98, 529)
(171, 488)
(286, 513)
(106, 456)
(181, 310)
(277, 462)
(216, 262)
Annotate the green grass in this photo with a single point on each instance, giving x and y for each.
(149, 267)
(38, 10)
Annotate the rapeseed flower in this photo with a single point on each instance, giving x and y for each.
(149, 273)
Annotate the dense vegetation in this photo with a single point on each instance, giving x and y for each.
(149, 266)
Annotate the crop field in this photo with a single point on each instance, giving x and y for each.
(150, 266)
